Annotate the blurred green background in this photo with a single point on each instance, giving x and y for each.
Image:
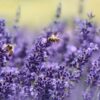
(38, 13)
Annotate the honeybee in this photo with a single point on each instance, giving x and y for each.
(9, 49)
(53, 38)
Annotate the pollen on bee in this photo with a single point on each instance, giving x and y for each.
(53, 38)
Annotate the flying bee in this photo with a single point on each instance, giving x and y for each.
(53, 38)
(9, 48)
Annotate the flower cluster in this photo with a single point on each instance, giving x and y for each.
(54, 65)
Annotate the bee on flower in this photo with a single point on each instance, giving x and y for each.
(53, 38)
(9, 48)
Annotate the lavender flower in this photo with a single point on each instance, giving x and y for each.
(94, 73)
(5, 47)
(86, 31)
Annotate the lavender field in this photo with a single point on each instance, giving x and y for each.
(55, 60)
